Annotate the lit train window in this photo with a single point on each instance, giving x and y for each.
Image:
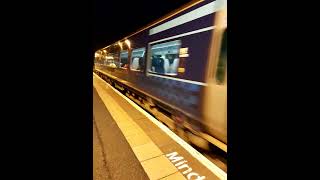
(222, 64)
(165, 58)
(137, 59)
(124, 59)
(110, 60)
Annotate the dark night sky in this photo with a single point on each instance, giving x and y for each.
(115, 19)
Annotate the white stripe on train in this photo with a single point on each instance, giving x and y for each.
(190, 16)
(185, 34)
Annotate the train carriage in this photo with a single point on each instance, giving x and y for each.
(177, 65)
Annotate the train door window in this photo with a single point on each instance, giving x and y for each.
(222, 63)
(124, 59)
(165, 58)
(137, 59)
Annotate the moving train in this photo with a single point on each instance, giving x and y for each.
(177, 66)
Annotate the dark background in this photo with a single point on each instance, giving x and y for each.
(114, 19)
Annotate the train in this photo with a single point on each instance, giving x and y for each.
(176, 66)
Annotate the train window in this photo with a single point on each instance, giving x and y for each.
(124, 59)
(137, 59)
(165, 58)
(111, 60)
(222, 64)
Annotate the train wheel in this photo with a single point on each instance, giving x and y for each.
(218, 151)
(198, 141)
(127, 93)
(179, 128)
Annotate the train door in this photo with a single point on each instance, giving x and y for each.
(215, 95)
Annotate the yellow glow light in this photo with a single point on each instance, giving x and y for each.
(120, 44)
(128, 43)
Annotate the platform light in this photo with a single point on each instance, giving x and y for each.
(128, 43)
(120, 44)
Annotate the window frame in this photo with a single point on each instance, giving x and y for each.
(149, 58)
(143, 56)
(219, 60)
(127, 51)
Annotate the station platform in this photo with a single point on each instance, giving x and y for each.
(134, 145)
